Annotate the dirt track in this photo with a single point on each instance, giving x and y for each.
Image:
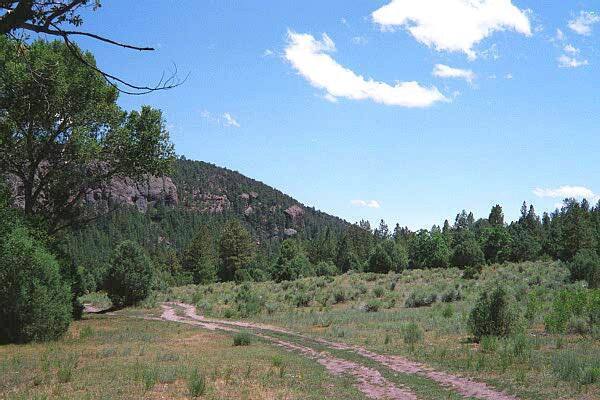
(368, 380)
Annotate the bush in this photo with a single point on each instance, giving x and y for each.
(242, 339)
(378, 291)
(585, 266)
(451, 295)
(373, 305)
(326, 268)
(420, 298)
(196, 384)
(130, 275)
(570, 305)
(248, 302)
(35, 304)
(492, 315)
(339, 295)
(412, 334)
(573, 367)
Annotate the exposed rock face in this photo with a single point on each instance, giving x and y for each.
(148, 192)
(206, 202)
(295, 213)
(289, 232)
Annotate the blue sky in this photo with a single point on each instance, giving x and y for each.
(404, 110)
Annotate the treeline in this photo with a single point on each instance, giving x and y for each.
(223, 248)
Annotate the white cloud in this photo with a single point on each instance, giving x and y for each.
(444, 71)
(582, 25)
(228, 120)
(559, 36)
(360, 40)
(268, 52)
(366, 203)
(453, 25)
(566, 61)
(310, 58)
(563, 192)
(569, 48)
(225, 120)
(508, 76)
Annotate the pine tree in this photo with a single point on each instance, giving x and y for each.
(236, 249)
(199, 258)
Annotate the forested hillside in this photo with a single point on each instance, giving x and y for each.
(165, 217)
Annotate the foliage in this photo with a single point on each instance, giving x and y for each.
(196, 384)
(292, 262)
(35, 304)
(242, 339)
(574, 304)
(199, 258)
(420, 298)
(467, 254)
(412, 334)
(71, 136)
(387, 256)
(236, 249)
(492, 314)
(585, 266)
(130, 275)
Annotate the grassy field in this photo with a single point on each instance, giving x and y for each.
(419, 315)
(423, 315)
(119, 357)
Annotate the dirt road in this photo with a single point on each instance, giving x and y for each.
(367, 379)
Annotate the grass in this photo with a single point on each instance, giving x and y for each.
(118, 357)
(521, 364)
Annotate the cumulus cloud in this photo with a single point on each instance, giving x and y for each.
(569, 48)
(452, 25)
(565, 61)
(310, 57)
(582, 25)
(444, 71)
(365, 203)
(563, 192)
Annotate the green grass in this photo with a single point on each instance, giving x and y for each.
(521, 364)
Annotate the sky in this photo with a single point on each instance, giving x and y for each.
(406, 110)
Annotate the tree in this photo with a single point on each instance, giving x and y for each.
(497, 244)
(130, 275)
(382, 232)
(585, 266)
(236, 249)
(429, 250)
(346, 259)
(199, 259)
(62, 133)
(49, 17)
(467, 253)
(292, 262)
(387, 256)
(35, 303)
(492, 315)
(496, 217)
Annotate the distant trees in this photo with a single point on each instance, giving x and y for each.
(429, 250)
(585, 266)
(292, 262)
(387, 256)
(236, 250)
(130, 275)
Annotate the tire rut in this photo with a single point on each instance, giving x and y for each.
(369, 381)
(464, 386)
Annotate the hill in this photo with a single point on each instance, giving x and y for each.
(163, 214)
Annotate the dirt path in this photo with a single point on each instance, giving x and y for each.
(368, 380)
(373, 384)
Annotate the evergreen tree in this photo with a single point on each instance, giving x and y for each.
(496, 217)
(236, 249)
(199, 259)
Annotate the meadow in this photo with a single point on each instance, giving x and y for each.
(421, 315)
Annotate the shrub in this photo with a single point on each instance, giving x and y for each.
(451, 295)
(420, 298)
(378, 291)
(326, 268)
(586, 266)
(412, 334)
(35, 304)
(196, 384)
(130, 275)
(570, 366)
(448, 311)
(242, 339)
(302, 299)
(569, 305)
(339, 295)
(373, 305)
(492, 315)
(247, 301)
